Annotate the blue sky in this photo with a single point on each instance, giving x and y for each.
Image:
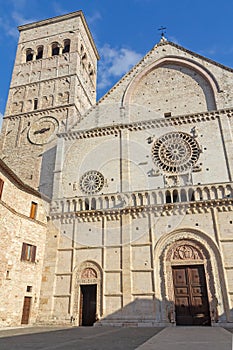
(125, 30)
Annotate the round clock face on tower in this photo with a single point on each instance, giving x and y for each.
(43, 130)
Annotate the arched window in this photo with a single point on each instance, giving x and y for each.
(140, 199)
(55, 49)
(39, 54)
(168, 197)
(93, 204)
(183, 196)
(175, 196)
(86, 204)
(191, 195)
(66, 47)
(29, 55)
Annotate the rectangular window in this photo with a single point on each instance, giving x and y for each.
(28, 252)
(29, 289)
(33, 210)
(1, 187)
(35, 103)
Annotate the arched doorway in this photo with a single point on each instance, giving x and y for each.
(197, 254)
(191, 301)
(87, 294)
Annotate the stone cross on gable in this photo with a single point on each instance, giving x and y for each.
(162, 30)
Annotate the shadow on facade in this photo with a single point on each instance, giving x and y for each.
(141, 311)
(144, 312)
(47, 168)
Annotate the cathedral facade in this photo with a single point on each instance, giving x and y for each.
(140, 226)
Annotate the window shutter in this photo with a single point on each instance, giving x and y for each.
(33, 254)
(33, 210)
(23, 254)
(1, 187)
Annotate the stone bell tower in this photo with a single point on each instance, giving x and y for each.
(53, 84)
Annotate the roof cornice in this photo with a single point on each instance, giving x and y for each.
(147, 55)
(194, 54)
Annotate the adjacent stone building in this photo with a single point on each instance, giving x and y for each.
(23, 217)
(140, 221)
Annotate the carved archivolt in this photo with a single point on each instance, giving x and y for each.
(184, 250)
(89, 273)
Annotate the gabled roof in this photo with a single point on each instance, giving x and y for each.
(134, 70)
(165, 43)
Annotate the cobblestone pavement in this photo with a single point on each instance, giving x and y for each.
(190, 338)
(114, 338)
(81, 338)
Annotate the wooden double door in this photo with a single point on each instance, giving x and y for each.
(191, 300)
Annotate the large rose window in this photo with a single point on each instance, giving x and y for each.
(91, 182)
(175, 152)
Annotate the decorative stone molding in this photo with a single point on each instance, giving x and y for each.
(187, 200)
(145, 125)
(40, 112)
(143, 211)
(194, 54)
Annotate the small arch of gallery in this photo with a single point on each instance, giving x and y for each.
(54, 49)
(57, 48)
